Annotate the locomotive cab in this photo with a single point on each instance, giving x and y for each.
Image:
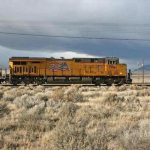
(112, 60)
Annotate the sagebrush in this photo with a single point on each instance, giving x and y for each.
(75, 118)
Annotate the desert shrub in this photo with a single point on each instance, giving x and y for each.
(68, 110)
(58, 94)
(28, 129)
(21, 87)
(11, 94)
(54, 104)
(100, 138)
(7, 88)
(27, 101)
(48, 92)
(112, 88)
(39, 89)
(120, 103)
(122, 88)
(84, 89)
(35, 122)
(41, 96)
(8, 96)
(24, 101)
(97, 113)
(132, 103)
(73, 94)
(135, 87)
(71, 133)
(3, 110)
(136, 137)
(104, 88)
(31, 87)
(56, 118)
(112, 98)
(55, 88)
(1, 142)
(37, 109)
(144, 92)
(1, 95)
(68, 135)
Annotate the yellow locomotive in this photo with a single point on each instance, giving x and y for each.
(77, 70)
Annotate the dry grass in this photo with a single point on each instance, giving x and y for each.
(74, 118)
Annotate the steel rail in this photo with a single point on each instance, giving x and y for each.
(50, 85)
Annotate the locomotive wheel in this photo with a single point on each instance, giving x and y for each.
(109, 82)
(97, 84)
(40, 81)
(27, 81)
(121, 82)
(14, 82)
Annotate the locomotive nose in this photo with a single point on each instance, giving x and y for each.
(129, 80)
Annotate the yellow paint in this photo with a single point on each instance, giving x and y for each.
(44, 68)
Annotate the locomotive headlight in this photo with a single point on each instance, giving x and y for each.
(120, 72)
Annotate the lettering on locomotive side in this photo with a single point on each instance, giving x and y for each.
(63, 66)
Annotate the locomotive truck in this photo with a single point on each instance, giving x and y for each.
(39, 70)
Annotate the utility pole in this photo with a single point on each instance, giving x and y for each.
(143, 71)
(138, 71)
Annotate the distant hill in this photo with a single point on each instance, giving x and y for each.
(146, 69)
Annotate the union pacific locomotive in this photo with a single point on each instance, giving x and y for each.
(77, 70)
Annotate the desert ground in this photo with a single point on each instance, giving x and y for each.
(75, 118)
(138, 77)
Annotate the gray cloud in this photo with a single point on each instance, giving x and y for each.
(93, 18)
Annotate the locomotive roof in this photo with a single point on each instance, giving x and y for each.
(43, 58)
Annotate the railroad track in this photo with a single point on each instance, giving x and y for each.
(50, 85)
(141, 84)
(47, 85)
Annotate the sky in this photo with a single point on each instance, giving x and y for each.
(115, 19)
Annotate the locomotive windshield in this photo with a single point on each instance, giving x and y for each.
(112, 60)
